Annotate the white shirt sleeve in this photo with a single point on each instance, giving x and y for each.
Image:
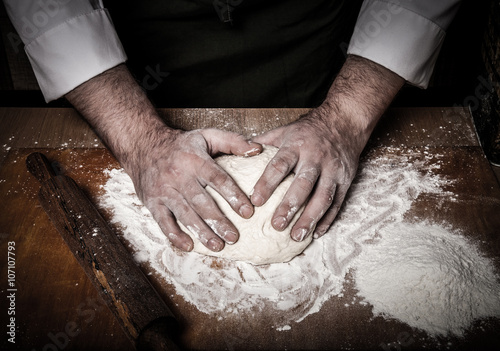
(67, 41)
(404, 36)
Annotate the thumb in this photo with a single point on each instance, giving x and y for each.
(220, 141)
(273, 137)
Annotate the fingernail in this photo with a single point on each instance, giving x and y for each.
(316, 235)
(187, 247)
(246, 211)
(251, 152)
(279, 223)
(300, 234)
(230, 237)
(257, 200)
(319, 232)
(215, 244)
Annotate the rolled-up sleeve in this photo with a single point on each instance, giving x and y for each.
(404, 36)
(67, 41)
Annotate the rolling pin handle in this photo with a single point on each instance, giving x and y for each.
(39, 166)
(158, 336)
(146, 319)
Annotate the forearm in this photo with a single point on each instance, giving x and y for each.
(121, 114)
(358, 97)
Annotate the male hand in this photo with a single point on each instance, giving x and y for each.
(323, 147)
(324, 157)
(171, 181)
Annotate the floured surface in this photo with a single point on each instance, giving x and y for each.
(375, 212)
(343, 322)
(428, 277)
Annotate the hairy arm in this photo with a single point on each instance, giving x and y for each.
(116, 107)
(323, 147)
(170, 168)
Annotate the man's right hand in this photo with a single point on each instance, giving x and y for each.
(171, 179)
(170, 168)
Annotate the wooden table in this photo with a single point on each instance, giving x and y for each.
(57, 308)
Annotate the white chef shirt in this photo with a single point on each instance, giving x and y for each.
(404, 36)
(71, 41)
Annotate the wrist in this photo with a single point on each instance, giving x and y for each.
(359, 96)
(121, 114)
(136, 148)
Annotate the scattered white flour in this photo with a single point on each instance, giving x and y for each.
(284, 328)
(424, 275)
(427, 277)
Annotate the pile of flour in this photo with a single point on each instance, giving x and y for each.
(426, 275)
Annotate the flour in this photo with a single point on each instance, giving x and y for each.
(427, 276)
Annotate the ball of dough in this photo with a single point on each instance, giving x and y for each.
(259, 242)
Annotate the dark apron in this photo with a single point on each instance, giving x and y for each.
(235, 53)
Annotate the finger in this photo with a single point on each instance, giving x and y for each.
(300, 189)
(185, 214)
(277, 169)
(170, 228)
(205, 206)
(325, 223)
(220, 141)
(272, 137)
(320, 201)
(221, 182)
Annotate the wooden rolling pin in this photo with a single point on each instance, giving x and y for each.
(145, 318)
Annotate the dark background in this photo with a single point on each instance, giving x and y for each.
(467, 72)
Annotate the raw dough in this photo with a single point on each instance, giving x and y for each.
(259, 242)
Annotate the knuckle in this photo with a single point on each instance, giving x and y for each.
(182, 208)
(178, 205)
(304, 182)
(201, 200)
(306, 179)
(327, 192)
(281, 165)
(173, 172)
(340, 172)
(217, 178)
(338, 165)
(325, 198)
